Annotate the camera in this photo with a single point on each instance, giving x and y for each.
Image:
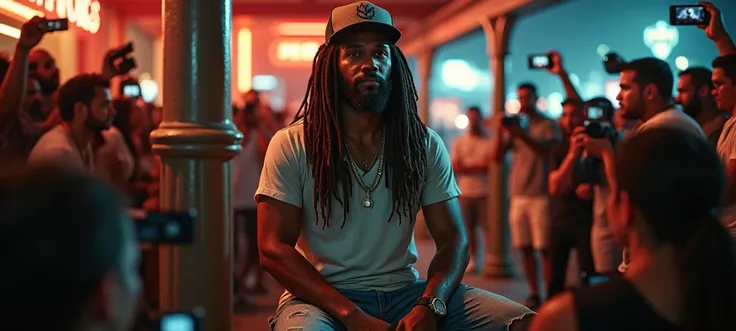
(175, 228)
(511, 120)
(121, 60)
(589, 170)
(689, 15)
(613, 63)
(540, 61)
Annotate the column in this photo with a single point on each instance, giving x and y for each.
(498, 259)
(424, 66)
(196, 140)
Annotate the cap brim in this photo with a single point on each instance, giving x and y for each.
(390, 32)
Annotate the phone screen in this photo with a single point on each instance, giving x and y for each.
(61, 24)
(539, 61)
(166, 228)
(177, 322)
(688, 15)
(131, 91)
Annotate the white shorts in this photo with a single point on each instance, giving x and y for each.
(529, 220)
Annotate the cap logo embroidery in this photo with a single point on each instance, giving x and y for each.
(365, 11)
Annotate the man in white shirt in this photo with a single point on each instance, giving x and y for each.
(724, 81)
(84, 105)
(471, 156)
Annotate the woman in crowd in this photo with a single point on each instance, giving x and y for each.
(664, 208)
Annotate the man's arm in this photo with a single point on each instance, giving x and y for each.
(280, 199)
(542, 147)
(561, 179)
(445, 224)
(731, 180)
(279, 226)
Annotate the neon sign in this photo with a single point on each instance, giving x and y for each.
(661, 38)
(294, 51)
(83, 13)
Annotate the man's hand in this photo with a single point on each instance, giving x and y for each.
(598, 147)
(358, 320)
(577, 139)
(556, 63)
(583, 191)
(31, 33)
(714, 30)
(420, 318)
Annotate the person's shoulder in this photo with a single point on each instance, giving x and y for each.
(433, 139)
(290, 139)
(556, 314)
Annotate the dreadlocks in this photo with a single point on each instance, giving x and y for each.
(406, 160)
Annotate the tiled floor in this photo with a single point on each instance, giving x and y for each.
(514, 289)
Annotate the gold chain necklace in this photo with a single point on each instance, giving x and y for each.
(367, 200)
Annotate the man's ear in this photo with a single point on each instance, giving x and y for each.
(80, 110)
(650, 92)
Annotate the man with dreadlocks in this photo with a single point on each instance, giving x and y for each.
(340, 190)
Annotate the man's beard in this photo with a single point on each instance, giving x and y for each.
(49, 85)
(374, 101)
(97, 126)
(693, 108)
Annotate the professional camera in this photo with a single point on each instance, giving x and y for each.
(511, 120)
(590, 168)
(121, 60)
(613, 63)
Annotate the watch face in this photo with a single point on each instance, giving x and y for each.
(439, 307)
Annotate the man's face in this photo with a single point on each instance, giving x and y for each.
(724, 90)
(527, 100)
(475, 120)
(99, 112)
(365, 64)
(43, 66)
(572, 117)
(630, 97)
(33, 102)
(687, 96)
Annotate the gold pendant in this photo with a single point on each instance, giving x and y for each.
(367, 202)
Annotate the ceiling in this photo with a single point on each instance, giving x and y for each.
(147, 13)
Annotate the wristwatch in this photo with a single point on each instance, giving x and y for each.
(435, 304)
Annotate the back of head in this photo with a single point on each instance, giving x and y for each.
(60, 234)
(728, 64)
(677, 183)
(699, 76)
(80, 88)
(654, 71)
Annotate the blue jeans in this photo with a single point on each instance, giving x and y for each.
(468, 309)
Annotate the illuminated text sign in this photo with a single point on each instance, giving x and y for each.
(83, 13)
(294, 51)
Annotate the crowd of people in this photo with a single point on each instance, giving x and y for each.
(645, 194)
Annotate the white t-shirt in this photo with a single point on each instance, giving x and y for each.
(57, 147)
(369, 252)
(247, 166)
(472, 150)
(726, 150)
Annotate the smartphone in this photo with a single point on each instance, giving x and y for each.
(689, 15)
(595, 113)
(181, 321)
(61, 24)
(166, 228)
(540, 61)
(131, 91)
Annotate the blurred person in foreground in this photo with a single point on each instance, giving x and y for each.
(70, 257)
(85, 108)
(664, 208)
(336, 228)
